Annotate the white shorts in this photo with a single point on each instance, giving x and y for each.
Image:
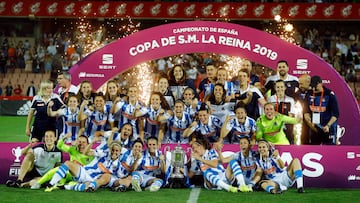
(220, 175)
(83, 176)
(284, 180)
(145, 179)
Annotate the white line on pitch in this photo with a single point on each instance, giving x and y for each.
(194, 195)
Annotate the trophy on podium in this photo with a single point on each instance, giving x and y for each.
(178, 161)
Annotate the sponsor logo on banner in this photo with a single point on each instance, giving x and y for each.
(15, 167)
(350, 155)
(107, 59)
(24, 110)
(358, 168)
(91, 75)
(52, 8)
(107, 62)
(301, 67)
(353, 178)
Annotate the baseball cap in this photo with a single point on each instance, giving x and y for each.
(315, 80)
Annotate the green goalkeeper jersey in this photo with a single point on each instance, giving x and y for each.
(272, 130)
(75, 155)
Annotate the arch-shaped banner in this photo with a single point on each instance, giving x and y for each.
(221, 38)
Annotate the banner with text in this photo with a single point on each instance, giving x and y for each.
(221, 38)
(323, 166)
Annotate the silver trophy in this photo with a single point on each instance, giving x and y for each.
(177, 161)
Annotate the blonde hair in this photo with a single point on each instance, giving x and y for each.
(43, 86)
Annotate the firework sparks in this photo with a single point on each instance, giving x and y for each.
(144, 81)
(283, 29)
(233, 65)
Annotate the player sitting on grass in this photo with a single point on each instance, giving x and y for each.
(277, 177)
(93, 175)
(152, 166)
(38, 160)
(242, 165)
(207, 159)
(130, 161)
(77, 155)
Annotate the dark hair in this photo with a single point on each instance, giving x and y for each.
(180, 101)
(152, 137)
(172, 80)
(204, 107)
(279, 81)
(212, 96)
(84, 136)
(163, 102)
(245, 137)
(132, 130)
(203, 142)
(100, 94)
(71, 94)
(283, 61)
(139, 141)
(240, 105)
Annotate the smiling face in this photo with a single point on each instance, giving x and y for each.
(50, 137)
(263, 149)
(126, 131)
(197, 148)
(280, 88)
(188, 96)
(82, 143)
(218, 92)
(155, 101)
(178, 73)
(240, 114)
(112, 89)
(203, 116)
(86, 88)
(269, 111)
(152, 145)
(179, 109)
(137, 148)
(244, 145)
(115, 151)
(133, 92)
(282, 69)
(99, 103)
(72, 102)
(221, 76)
(163, 85)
